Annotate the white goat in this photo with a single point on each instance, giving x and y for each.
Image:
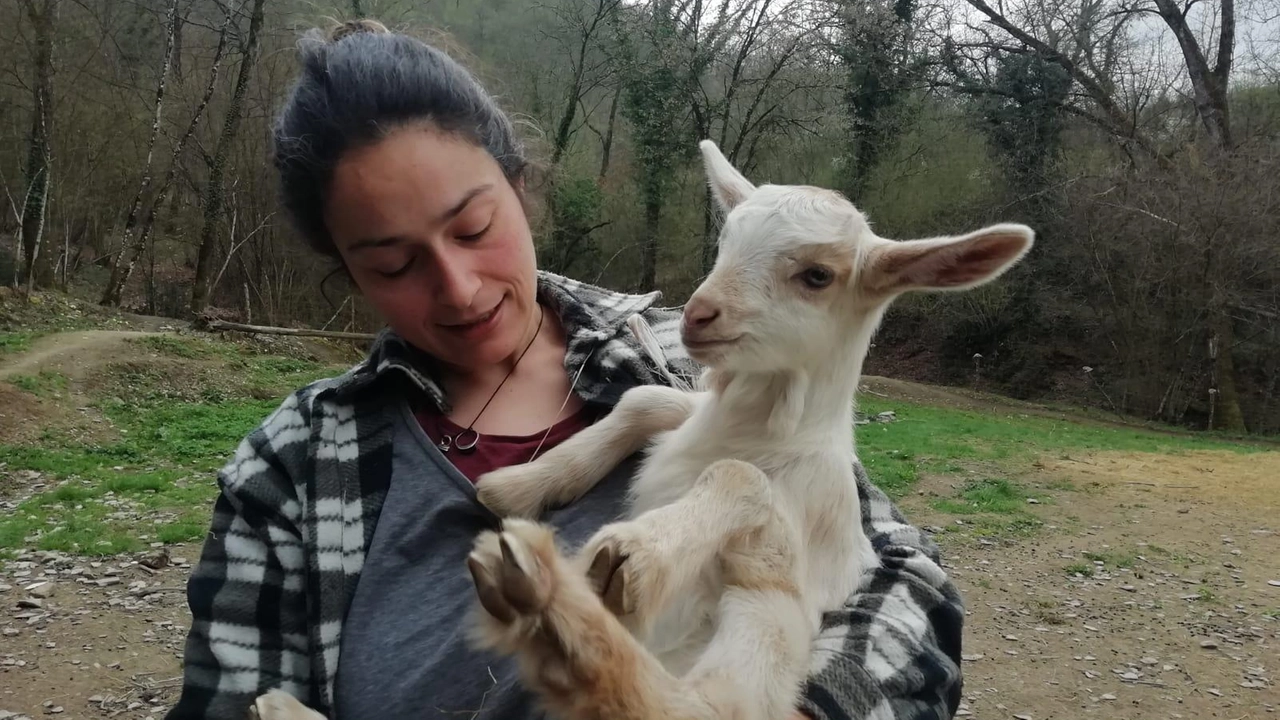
(744, 522)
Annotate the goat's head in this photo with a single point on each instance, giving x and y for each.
(800, 274)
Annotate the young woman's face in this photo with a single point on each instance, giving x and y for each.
(437, 240)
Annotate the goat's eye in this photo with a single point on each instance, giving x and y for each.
(817, 277)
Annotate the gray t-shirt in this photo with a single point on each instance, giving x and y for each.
(404, 650)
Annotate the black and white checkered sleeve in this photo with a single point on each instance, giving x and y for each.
(892, 652)
(247, 595)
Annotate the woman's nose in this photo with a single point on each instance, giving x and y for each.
(456, 281)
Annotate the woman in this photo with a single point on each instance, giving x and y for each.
(335, 566)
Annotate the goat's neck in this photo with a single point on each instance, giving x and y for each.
(810, 399)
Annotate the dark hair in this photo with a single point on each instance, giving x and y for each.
(356, 86)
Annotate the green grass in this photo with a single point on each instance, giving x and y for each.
(45, 384)
(16, 342)
(174, 428)
(939, 440)
(993, 507)
(1085, 569)
(1112, 558)
(986, 496)
(164, 466)
(1000, 447)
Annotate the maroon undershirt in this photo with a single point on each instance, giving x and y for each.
(498, 451)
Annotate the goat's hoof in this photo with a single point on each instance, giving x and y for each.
(280, 705)
(512, 570)
(626, 569)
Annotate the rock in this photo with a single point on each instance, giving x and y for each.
(973, 657)
(1274, 583)
(1032, 501)
(1209, 644)
(1214, 692)
(30, 604)
(1107, 696)
(1128, 588)
(40, 589)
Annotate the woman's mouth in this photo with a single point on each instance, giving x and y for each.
(473, 329)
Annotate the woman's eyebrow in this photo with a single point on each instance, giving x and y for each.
(453, 212)
(448, 215)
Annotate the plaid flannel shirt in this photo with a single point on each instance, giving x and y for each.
(301, 496)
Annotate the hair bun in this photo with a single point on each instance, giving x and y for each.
(355, 27)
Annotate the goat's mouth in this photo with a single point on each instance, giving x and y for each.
(702, 345)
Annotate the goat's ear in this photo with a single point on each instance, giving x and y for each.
(950, 263)
(727, 184)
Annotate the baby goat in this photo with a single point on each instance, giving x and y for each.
(744, 522)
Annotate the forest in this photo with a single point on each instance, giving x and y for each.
(1139, 138)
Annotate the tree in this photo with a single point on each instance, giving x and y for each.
(37, 270)
(119, 273)
(572, 202)
(213, 199)
(655, 92)
(133, 245)
(879, 75)
(1074, 48)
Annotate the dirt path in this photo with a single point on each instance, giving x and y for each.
(1153, 592)
(71, 353)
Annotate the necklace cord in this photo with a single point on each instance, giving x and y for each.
(457, 442)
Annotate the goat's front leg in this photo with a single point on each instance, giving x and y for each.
(638, 565)
(571, 651)
(574, 466)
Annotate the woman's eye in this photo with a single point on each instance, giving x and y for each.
(817, 277)
(395, 273)
(475, 235)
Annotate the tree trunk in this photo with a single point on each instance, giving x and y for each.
(606, 146)
(115, 285)
(1209, 85)
(709, 237)
(37, 270)
(1229, 415)
(128, 258)
(649, 251)
(214, 194)
(565, 130)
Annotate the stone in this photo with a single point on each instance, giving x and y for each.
(40, 590)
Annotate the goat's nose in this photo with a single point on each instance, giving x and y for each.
(699, 313)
